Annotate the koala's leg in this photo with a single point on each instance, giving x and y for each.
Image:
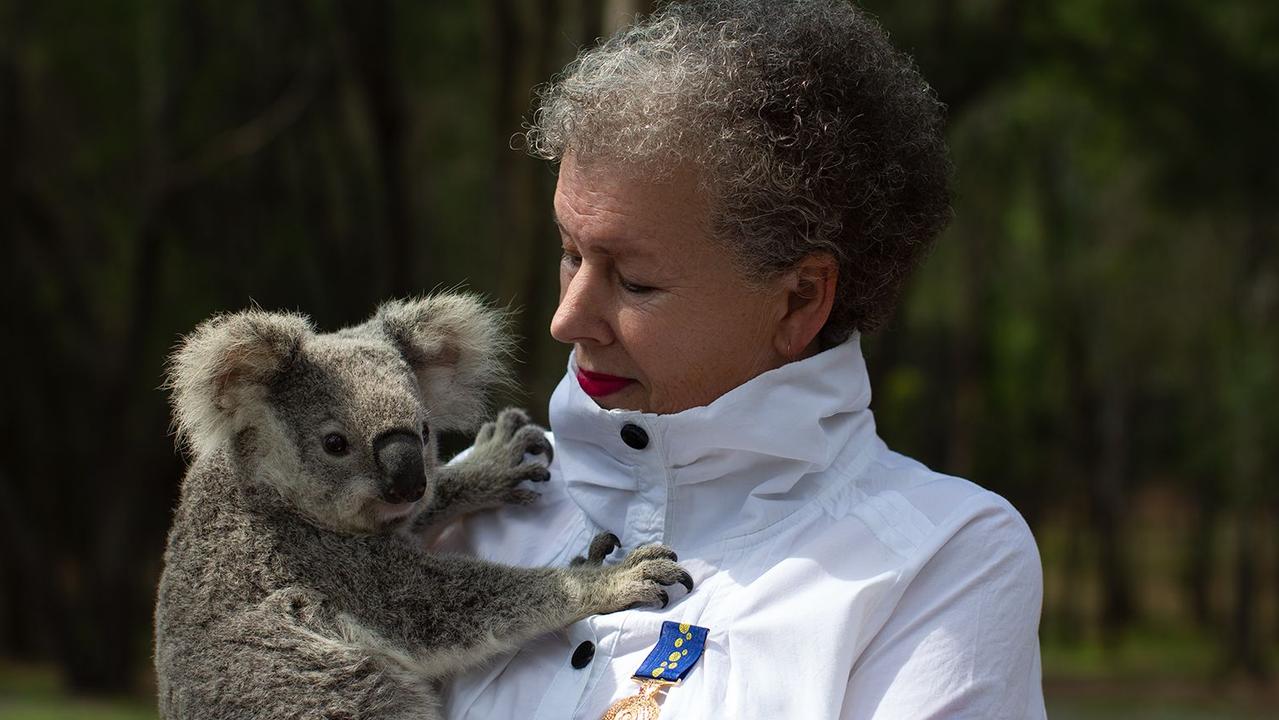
(490, 475)
(461, 611)
(293, 655)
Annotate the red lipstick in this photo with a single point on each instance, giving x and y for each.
(599, 384)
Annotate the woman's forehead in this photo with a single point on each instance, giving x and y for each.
(623, 211)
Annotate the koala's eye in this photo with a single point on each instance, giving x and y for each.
(335, 444)
(426, 432)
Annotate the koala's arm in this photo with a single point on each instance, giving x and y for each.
(490, 475)
(454, 611)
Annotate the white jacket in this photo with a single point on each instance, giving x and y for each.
(838, 578)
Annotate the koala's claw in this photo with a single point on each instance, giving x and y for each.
(486, 433)
(502, 448)
(668, 573)
(511, 420)
(654, 574)
(651, 552)
(531, 471)
(541, 446)
(638, 580)
(657, 564)
(600, 547)
(531, 439)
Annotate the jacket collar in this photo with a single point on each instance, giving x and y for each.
(754, 455)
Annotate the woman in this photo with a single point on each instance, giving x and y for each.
(743, 187)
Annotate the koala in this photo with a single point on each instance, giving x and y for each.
(295, 582)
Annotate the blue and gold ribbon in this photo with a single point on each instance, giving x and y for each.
(677, 650)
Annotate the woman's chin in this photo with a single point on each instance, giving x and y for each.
(631, 397)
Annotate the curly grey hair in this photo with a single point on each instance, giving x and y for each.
(809, 131)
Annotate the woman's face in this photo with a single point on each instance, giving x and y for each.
(659, 317)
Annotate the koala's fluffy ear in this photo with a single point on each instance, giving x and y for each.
(218, 374)
(457, 346)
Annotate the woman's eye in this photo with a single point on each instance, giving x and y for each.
(635, 289)
(569, 259)
(335, 444)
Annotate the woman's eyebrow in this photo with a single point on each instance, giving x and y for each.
(555, 218)
(627, 249)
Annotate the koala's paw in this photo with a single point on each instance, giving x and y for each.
(508, 438)
(640, 579)
(499, 456)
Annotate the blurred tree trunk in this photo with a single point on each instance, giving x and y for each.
(102, 600)
(592, 16)
(370, 37)
(1099, 429)
(15, 635)
(968, 360)
(1200, 554)
(1252, 370)
(1244, 641)
(515, 218)
(107, 603)
(1073, 566)
(28, 592)
(541, 272)
(88, 488)
(1100, 395)
(528, 54)
(12, 642)
(58, 586)
(1274, 578)
(1111, 508)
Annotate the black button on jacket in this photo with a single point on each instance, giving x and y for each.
(634, 436)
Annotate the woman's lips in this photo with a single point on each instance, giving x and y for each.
(599, 384)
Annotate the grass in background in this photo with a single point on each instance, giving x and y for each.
(36, 693)
(1167, 673)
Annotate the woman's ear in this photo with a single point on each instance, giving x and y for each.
(217, 376)
(457, 346)
(810, 294)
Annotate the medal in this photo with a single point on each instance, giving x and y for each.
(638, 707)
(678, 649)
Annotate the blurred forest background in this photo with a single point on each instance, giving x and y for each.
(1096, 337)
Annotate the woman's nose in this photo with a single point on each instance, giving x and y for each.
(580, 316)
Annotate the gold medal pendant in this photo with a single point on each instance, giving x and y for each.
(641, 706)
(677, 651)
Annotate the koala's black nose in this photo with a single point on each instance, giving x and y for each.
(399, 456)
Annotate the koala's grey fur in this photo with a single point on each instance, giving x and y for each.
(292, 587)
